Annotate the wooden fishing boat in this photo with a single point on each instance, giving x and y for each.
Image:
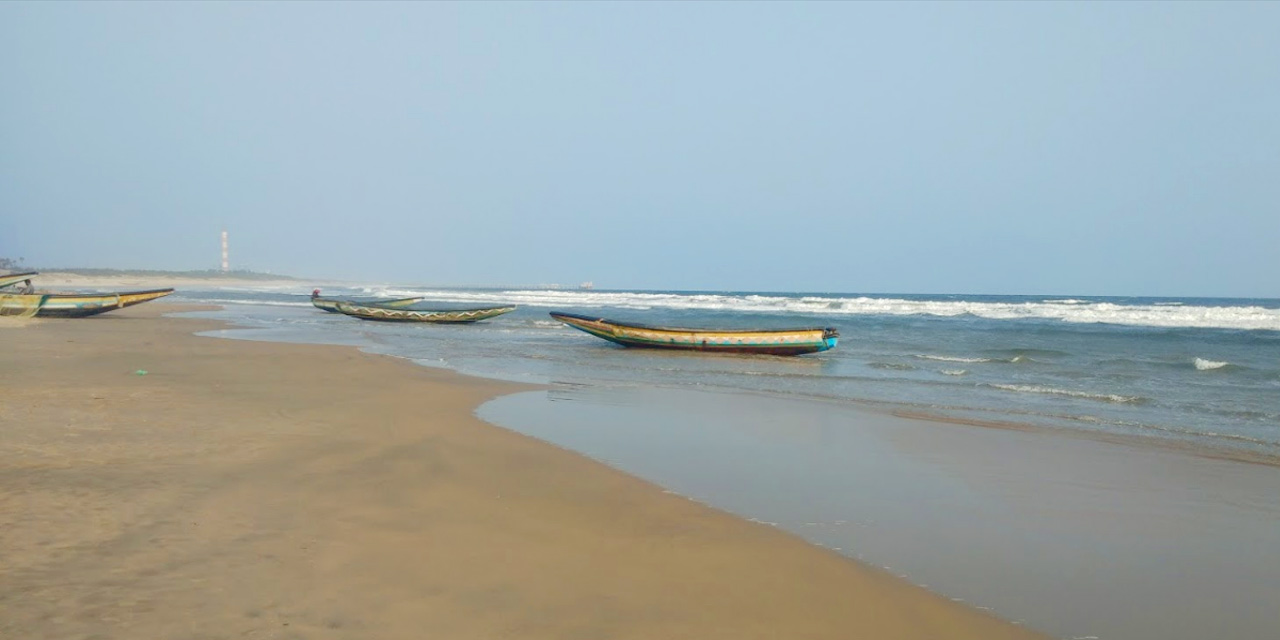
(331, 304)
(9, 279)
(453, 316)
(778, 342)
(73, 305)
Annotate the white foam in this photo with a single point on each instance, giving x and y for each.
(1072, 310)
(1209, 365)
(895, 366)
(925, 356)
(1076, 311)
(954, 372)
(1053, 391)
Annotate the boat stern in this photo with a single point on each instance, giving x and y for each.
(830, 336)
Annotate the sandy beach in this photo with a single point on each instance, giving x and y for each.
(157, 484)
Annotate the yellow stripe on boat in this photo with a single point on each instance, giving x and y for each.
(74, 305)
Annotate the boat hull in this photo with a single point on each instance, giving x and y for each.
(387, 314)
(778, 342)
(74, 305)
(331, 304)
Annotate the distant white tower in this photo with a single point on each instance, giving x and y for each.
(226, 265)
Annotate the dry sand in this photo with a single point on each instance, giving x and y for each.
(261, 490)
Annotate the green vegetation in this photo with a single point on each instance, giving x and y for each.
(11, 264)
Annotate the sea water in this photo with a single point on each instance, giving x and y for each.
(1201, 372)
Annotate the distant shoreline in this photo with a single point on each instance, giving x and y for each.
(120, 279)
(212, 274)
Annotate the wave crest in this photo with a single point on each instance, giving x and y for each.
(1209, 365)
(1078, 312)
(894, 366)
(925, 356)
(1053, 391)
(1164, 314)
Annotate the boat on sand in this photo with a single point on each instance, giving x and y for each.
(778, 342)
(73, 305)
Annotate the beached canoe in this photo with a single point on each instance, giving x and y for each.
(382, 312)
(73, 305)
(331, 304)
(778, 342)
(9, 279)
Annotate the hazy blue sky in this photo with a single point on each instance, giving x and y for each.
(1091, 148)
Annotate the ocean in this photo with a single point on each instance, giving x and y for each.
(1197, 372)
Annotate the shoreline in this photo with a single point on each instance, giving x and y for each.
(1229, 454)
(1226, 448)
(230, 484)
(1161, 428)
(1076, 537)
(58, 280)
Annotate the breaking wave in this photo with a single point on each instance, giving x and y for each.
(925, 356)
(1053, 391)
(1209, 365)
(1156, 314)
(892, 366)
(1163, 314)
(1018, 359)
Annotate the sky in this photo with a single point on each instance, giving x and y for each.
(999, 148)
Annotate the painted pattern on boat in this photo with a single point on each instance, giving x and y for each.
(415, 315)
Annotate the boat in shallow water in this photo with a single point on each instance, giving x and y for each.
(73, 305)
(450, 316)
(778, 342)
(331, 304)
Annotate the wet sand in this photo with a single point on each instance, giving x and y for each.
(156, 484)
(1076, 536)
